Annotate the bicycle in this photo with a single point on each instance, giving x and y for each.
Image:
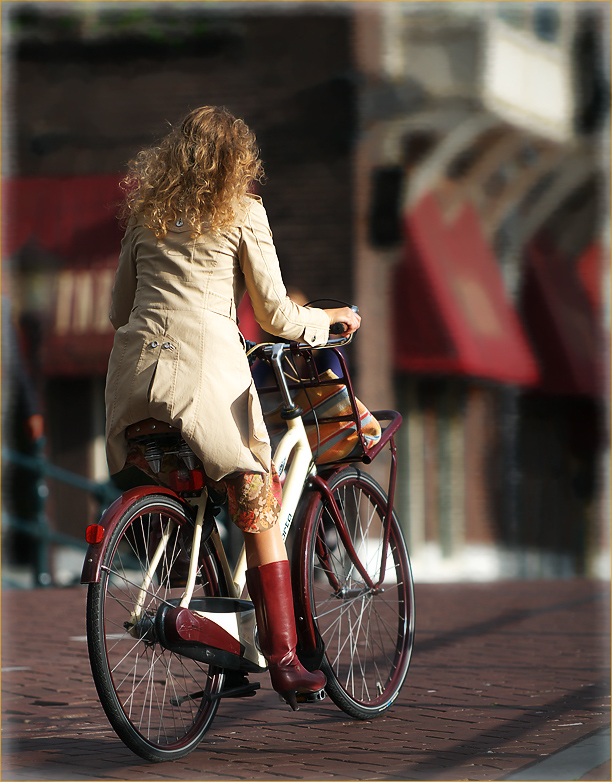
(169, 633)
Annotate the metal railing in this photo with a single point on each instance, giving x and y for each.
(38, 527)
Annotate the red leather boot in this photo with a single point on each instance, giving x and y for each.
(270, 590)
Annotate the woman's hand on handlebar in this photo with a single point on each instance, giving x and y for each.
(343, 320)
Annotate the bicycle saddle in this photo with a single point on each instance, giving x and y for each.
(150, 426)
(159, 439)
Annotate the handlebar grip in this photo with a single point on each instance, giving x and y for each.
(340, 328)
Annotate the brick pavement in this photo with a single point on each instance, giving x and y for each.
(503, 675)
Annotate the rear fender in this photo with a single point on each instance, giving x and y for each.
(110, 519)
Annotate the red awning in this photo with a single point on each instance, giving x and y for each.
(70, 218)
(452, 315)
(562, 324)
(66, 228)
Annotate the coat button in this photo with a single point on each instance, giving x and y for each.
(168, 346)
(154, 344)
(179, 223)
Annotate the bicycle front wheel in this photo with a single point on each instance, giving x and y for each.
(367, 633)
(159, 703)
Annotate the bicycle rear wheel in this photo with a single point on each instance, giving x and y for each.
(159, 703)
(368, 634)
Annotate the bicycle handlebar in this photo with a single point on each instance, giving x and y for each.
(274, 351)
(267, 348)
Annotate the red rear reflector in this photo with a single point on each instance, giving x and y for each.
(94, 533)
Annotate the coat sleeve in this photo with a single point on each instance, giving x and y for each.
(124, 288)
(274, 310)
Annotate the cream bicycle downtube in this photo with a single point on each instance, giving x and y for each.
(294, 443)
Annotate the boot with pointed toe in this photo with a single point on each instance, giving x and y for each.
(270, 590)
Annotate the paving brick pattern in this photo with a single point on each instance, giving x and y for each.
(502, 675)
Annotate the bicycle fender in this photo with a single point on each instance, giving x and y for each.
(110, 518)
(304, 625)
(309, 643)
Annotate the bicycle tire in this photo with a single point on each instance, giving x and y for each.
(367, 636)
(136, 678)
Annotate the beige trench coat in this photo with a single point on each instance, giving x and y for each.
(178, 355)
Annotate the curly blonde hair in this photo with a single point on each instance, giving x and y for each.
(197, 173)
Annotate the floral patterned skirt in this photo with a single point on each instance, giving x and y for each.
(253, 498)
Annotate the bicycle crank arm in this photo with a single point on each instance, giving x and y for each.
(243, 691)
(195, 696)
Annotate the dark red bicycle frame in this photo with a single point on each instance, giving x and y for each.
(319, 490)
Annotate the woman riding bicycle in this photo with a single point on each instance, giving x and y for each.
(196, 240)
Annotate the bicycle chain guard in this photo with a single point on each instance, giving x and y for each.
(214, 630)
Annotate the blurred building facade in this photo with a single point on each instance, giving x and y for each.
(483, 220)
(439, 165)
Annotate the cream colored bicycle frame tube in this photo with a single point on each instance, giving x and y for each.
(293, 450)
(293, 446)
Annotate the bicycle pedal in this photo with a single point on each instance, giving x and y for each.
(310, 697)
(246, 691)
